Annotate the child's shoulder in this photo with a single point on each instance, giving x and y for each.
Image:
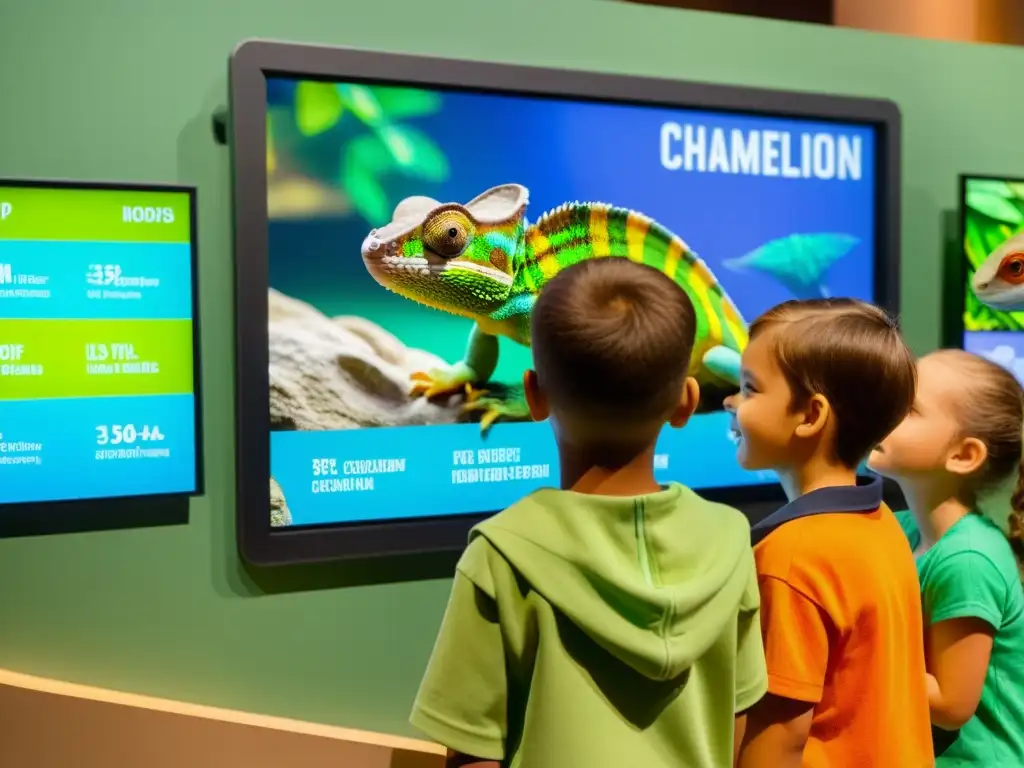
(724, 512)
(847, 541)
(555, 525)
(975, 533)
(477, 564)
(974, 539)
(806, 531)
(675, 499)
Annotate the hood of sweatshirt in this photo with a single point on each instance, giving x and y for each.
(653, 579)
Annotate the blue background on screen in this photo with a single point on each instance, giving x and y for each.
(561, 151)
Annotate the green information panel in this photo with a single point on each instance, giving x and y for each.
(97, 357)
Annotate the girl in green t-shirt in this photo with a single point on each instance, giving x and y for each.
(961, 442)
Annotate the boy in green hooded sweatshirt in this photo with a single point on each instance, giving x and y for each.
(614, 622)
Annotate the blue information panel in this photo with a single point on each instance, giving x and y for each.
(97, 377)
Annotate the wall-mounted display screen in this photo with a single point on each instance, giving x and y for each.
(97, 342)
(410, 225)
(990, 281)
(378, 303)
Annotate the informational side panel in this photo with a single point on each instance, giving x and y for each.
(96, 344)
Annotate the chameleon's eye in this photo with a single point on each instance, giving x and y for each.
(1011, 269)
(448, 233)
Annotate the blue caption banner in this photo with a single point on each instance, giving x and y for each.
(88, 448)
(100, 281)
(390, 473)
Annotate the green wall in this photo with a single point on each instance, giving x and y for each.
(115, 89)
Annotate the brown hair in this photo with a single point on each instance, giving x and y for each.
(853, 354)
(994, 414)
(612, 339)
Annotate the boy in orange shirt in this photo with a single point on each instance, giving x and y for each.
(822, 383)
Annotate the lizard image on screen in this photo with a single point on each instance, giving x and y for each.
(411, 231)
(482, 261)
(993, 253)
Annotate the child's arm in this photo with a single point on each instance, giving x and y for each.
(963, 595)
(960, 650)
(463, 698)
(777, 731)
(458, 760)
(751, 673)
(795, 632)
(739, 731)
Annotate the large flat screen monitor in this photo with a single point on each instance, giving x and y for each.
(987, 316)
(395, 215)
(98, 384)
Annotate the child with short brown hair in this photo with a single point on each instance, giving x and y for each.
(613, 622)
(822, 383)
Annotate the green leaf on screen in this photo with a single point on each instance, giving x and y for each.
(415, 153)
(995, 207)
(371, 153)
(989, 187)
(365, 192)
(974, 243)
(361, 102)
(318, 107)
(401, 103)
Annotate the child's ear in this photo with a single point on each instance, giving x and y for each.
(967, 456)
(535, 397)
(689, 397)
(815, 416)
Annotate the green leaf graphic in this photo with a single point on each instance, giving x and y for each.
(318, 107)
(978, 317)
(361, 101)
(370, 152)
(995, 207)
(365, 192)
(974, 243)
(996, 236)
(402, 103)
(989, 187)
(415, 153)
(1018, 189)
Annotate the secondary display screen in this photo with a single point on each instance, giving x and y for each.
(97, 395)
(410, 228)
(993, 245)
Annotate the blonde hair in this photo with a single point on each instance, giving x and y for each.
(994, 414)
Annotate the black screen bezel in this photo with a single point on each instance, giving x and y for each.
(100, 513)
(256, 60)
